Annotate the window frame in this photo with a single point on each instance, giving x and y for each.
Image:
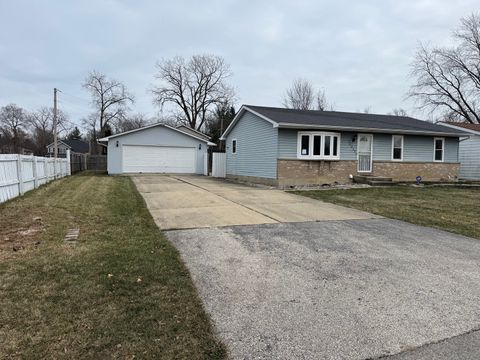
(393, 147)
(234, 147)
(323, 134)
(435, 149)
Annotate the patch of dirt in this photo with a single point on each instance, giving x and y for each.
(18, 238)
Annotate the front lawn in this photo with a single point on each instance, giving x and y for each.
(120, 291)
(449, 208)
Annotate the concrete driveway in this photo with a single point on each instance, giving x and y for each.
(184, 202)
(303, 279)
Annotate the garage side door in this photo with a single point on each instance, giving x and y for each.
(158, 159)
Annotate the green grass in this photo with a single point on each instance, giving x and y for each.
(449, 208)
(57, 300)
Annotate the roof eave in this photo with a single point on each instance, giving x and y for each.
(374, 130)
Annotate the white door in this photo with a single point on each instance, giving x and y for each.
(364, 151)
(158, 159)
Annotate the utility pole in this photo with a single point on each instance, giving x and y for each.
(55, 140)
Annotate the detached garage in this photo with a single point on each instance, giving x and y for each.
(157, 148)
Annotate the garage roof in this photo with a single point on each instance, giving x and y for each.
(336, 120)
(200, 138)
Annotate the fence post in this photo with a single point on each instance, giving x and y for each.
(35, 176)
(69, 163)
(19, 174)
(45, 169)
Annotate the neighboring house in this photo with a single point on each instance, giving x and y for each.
(283, 147)
(469, 154)
(157, 148)
(75, 146)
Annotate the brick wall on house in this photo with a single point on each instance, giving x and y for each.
(305, 172)
(408, 171)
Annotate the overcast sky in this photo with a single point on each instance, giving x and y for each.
(358, 51)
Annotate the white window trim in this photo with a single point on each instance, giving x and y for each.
(443, 148)
(310, 155)
(234, 147)
(393, 147)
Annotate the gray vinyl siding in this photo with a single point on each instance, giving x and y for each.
(155, 136)
(469, 156)
(416, 148)
(256, 155)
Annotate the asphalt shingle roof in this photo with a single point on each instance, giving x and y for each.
(358, 121)
(77, 145)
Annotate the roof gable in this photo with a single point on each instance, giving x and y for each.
(158, 125)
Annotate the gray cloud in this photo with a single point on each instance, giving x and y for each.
(359, 52)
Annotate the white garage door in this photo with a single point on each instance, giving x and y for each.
(158, 159)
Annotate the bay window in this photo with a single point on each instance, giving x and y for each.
(314, 145)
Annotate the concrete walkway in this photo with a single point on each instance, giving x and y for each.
(185, 202)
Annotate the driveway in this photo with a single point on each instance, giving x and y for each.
(184, 202)
(351, 287)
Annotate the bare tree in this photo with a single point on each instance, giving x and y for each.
(13, 125)
(322, 102)
(398, 112)
(448, 78)
(302, 96)
(132, 122)
(41, 124)
(194, 86)
(110, 99)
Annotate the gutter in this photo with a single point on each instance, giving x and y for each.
(374, 130)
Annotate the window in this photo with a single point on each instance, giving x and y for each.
(316, 145)
(397, 147)
(234, 146)
(439, 144)
(305, 145)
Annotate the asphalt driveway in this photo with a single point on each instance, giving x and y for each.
(184, 202)
(296, 278)
(351, 289)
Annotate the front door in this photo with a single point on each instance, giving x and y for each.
(364, 152)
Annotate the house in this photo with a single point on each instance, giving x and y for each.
(157, 148)
(74, 145)
(469, 153)
(283, 147)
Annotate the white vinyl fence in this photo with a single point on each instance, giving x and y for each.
(22, 173)
(219, 165)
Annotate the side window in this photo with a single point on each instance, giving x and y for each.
(234, 146)
(439, 144)
(397, 147)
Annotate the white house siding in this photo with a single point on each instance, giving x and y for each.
(156, 136)
(469, 156)
(256, 148)
(416, 148)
